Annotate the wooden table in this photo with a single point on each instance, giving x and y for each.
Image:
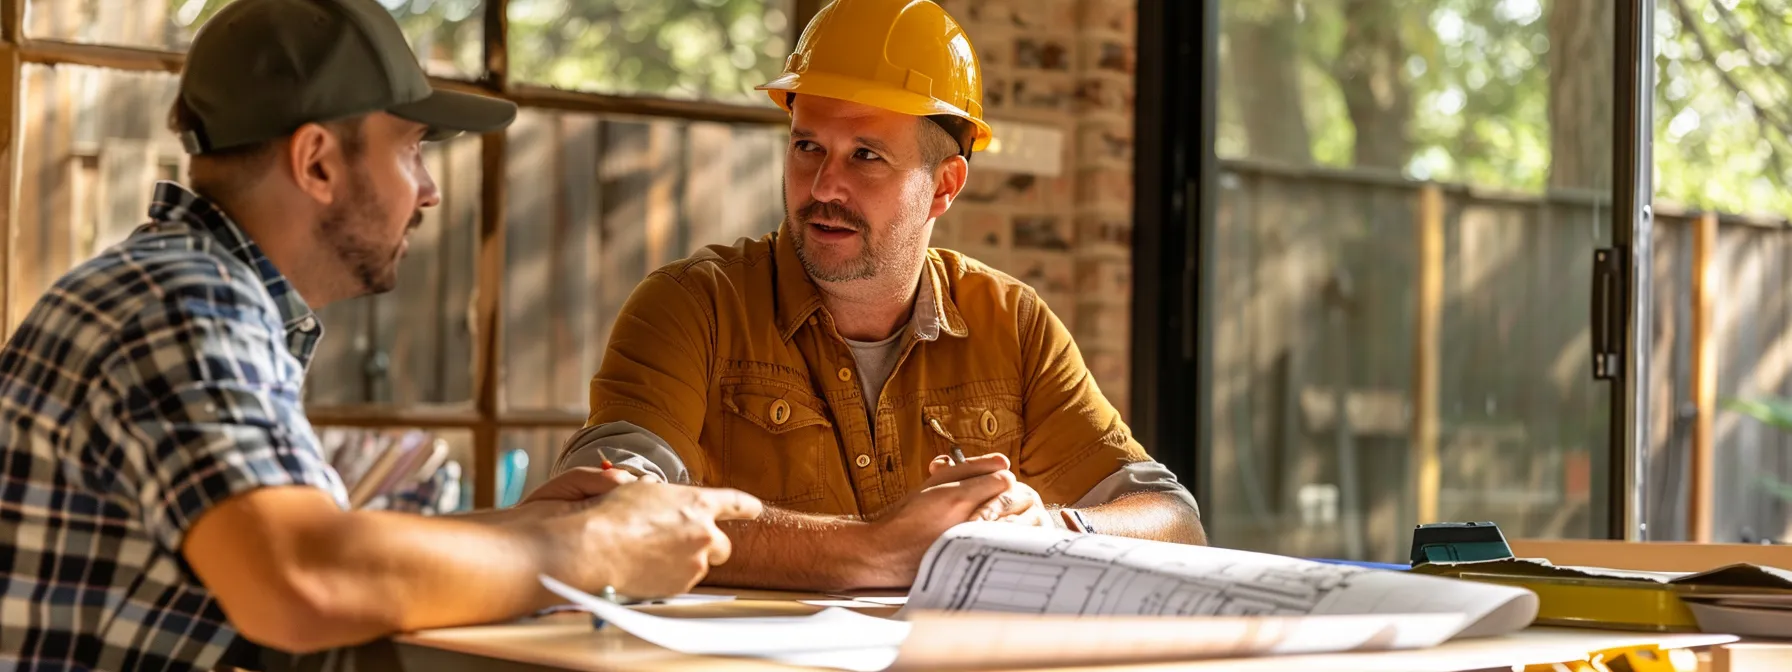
(568, 641)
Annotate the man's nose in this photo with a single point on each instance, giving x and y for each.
(830, 184)
(428, 194)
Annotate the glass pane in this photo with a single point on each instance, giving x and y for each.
(414, 345)
(1721, 142)
(93, 142)
(709, 49)
(447, 35)
(1336, 128)
(410, 470)
(597, 203)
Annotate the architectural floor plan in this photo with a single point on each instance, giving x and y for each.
(995, 567)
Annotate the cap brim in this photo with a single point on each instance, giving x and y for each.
(451, 113)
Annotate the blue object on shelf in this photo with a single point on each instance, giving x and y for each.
(513, 472)
(1369, 565)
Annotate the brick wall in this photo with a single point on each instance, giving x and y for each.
(1066, 65)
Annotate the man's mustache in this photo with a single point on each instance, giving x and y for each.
(836, 213)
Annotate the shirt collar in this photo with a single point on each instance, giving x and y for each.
(175, 204)
(798, 297)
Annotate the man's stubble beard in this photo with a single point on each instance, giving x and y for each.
(877, 258)
(373, 266)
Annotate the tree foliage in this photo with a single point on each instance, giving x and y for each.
(1723, 106)
(1478, 92)
(709, 49)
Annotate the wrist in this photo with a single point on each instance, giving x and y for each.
(561, 547)
(868, 558)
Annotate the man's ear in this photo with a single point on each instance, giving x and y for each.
(314, 158)
(948, 179)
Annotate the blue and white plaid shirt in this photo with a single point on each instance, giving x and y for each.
(149, 384)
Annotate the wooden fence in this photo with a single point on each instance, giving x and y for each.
(1319, 314)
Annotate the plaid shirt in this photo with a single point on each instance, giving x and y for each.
(147, 385)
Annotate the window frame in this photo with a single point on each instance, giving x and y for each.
(1176, 196)
(485, 417)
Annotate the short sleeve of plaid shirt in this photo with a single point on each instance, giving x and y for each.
(204, 388)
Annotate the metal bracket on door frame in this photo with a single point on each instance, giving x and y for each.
(1609, 286)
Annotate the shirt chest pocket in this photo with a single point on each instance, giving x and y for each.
(776, 443)
(978, 425)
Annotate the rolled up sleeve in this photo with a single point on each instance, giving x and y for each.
(625, 445)
(649, 397)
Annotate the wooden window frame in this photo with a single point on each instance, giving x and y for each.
(485, 419)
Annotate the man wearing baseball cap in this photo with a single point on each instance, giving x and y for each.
(163, 502)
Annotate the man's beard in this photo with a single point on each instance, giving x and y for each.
(371, 264)
(861, 267)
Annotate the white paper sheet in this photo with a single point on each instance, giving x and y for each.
(833, 638)
(1002, 594)
(843, 604)
(997, 567)
(886, 601)
(1741, 619)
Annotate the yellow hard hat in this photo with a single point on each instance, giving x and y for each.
(906, 56)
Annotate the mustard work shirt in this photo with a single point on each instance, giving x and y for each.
(724, 369)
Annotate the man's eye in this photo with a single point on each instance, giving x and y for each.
(869, 155)
(805, 146)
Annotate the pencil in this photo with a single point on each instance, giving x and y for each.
(957, 456)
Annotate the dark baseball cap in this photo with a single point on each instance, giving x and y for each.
(260, 69)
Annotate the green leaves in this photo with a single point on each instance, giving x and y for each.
(708, 49)
(1772, 411)
(1482, 104)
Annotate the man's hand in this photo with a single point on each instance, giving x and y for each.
(580, 484)
(902, 533)
(557, 496)
(1020, 503)
(648, 539)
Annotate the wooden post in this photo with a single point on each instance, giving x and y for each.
(12, 33)
(1426, 348)
(1704, 376)
(9, 174)
(488, 312)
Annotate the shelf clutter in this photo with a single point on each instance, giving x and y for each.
(410, 471)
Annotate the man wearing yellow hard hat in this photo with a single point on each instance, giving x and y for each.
(833, 368)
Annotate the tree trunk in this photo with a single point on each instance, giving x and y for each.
(1371, 73)
(1264, 70)
(1580, 94)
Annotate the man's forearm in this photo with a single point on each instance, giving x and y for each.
(1147, 515)
(415, 573)
(785, 550)
(350, 577)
